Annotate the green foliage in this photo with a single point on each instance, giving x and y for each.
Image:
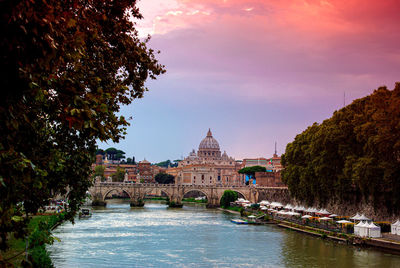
(255, 206)
(99, 171)
(114, 154)
(252, 170)
(193, 200)
(119, 175)
(228, 197)
(168, 163)
(241, 210)
(356, 152)
(67, 67)
(164, 178)
(131, 161)
(100, 151)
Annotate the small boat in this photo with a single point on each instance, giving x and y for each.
(85, 213)
(239, 221)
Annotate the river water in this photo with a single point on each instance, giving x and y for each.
(193, 236)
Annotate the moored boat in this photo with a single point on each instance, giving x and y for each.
(239, 221)
(85, 213)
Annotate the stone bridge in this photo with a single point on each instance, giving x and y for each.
(175, 193)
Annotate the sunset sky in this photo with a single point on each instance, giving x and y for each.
(256, 72)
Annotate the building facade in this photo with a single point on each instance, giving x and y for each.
(207, 166)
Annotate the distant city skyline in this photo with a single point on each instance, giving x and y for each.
(256, 72)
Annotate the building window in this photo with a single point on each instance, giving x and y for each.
(219, 178)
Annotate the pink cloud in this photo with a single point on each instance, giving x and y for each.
(279, 49)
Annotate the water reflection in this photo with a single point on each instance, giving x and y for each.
(155, 236)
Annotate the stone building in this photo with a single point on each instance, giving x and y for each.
(269, 179)
(207, 166)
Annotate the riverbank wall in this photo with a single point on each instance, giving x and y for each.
(348, 208)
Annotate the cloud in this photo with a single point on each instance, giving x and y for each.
(277, 65)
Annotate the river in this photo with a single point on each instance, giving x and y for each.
(193, 236)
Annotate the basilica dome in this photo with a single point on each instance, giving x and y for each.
(209, 142)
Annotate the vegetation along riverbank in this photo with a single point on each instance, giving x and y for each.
(31, 252)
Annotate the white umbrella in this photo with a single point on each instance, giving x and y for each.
(264, 208)
(325, 219)
(276, 204)
(288, 206)
(344, 221)
(333, 215)
(306, 217)
(251, 216)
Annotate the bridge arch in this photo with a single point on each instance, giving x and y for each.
(198, 190)
(155, 190)
(235, 190)
(117, 190)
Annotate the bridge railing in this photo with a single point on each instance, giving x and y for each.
(183, 185)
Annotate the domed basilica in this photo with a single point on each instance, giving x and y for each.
(208, 166)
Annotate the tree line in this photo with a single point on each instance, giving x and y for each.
(354, 154)
(115, 154)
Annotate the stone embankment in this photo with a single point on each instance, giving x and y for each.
(349, 208)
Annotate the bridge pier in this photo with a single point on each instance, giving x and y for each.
(213, 202)
(97, 200)
(137, 203)
(137, 200)
(99, 203)
(175, 202)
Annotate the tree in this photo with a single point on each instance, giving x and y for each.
(99, 171)
(251, 171)
(164, 164)
(355, 153)
(164, 178)
(67, 67)
(228, 197)
(118, 175)
(100, 151)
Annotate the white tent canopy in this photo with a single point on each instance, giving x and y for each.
(363, 218)
(323, 211)
(364, 229)
(333, 215)
(394, 227)
(361, 229)
(357, 228)
(306, 217)
(355, 217)
(311, 210)
(373, 230)
(276, 204)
